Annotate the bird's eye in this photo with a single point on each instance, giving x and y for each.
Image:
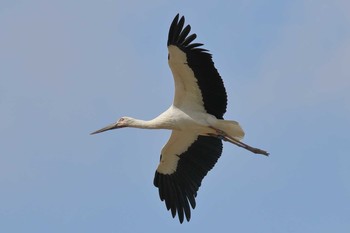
(168, 56)
(121, 119)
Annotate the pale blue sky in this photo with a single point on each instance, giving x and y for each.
(68, 68)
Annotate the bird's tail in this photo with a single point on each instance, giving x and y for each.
(232, 132)
(231, 128)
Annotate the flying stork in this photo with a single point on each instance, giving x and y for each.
(196, 120)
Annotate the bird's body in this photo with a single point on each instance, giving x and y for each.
(200, 123)
(196, 121)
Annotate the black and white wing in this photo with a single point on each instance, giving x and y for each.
(198, 84)
(185, 160)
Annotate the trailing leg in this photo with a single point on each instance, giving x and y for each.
(222, 135)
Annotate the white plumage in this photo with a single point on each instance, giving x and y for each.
(196, 121)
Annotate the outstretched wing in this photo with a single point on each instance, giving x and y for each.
(185, 160)
(198, 85)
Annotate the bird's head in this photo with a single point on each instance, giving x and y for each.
(122, 122)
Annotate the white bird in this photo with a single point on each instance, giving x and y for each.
(196, 121)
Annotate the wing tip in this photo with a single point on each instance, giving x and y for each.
(176, 199)
(180, 36)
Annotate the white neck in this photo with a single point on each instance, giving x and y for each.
(156, 123)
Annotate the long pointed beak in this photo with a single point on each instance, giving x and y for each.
(108, 127)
